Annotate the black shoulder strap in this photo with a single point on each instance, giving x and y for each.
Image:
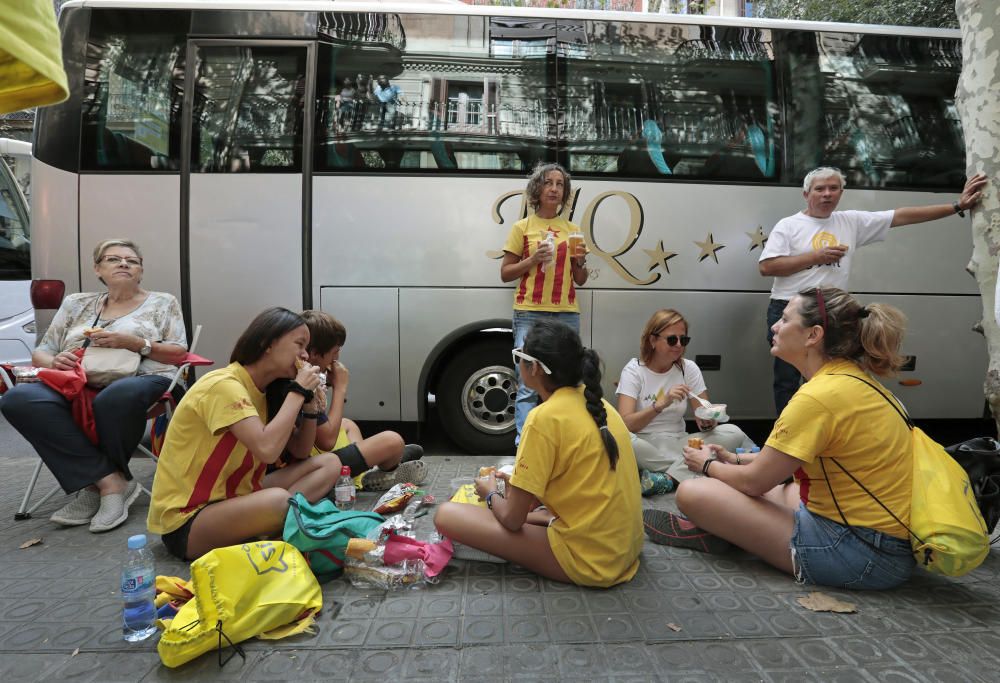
(906, 418)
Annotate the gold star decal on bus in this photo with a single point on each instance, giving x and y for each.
(757, 239)
(659, 257)
(708, 248)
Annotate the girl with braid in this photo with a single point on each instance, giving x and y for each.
(575, 457)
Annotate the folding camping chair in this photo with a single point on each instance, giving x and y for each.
(157, 415)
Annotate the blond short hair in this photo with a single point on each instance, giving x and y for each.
(107, 244)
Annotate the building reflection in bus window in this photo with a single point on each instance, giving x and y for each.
(657, 100)
(247, 110)
(433, 93)
(881, 108)
(132, 98)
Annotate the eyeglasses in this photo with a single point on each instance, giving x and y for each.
(519, 354)
(130, 261)
(672, 339)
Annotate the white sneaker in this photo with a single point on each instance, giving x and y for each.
(114, 508)
(413, 472)
(80, 510)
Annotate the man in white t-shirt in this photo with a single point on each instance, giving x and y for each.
(814, 248)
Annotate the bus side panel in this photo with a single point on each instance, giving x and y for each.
(246, 253)
(927, 258)
(371, 353)
(142, 208)
(729, 326)
(428, 316)
(54, 238)
(951, 359)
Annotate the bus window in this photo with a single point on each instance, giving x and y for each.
(659, 100)
(432, 93)
(881, 108)
(133, 91)
(248, 110)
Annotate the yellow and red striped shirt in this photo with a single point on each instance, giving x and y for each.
(202, 462)
(550, 289)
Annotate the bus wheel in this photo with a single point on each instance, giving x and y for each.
(476, 395)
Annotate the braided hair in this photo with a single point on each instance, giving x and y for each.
(559, 347)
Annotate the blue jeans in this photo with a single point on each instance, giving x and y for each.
(786, 377)
(523, 322)
(827, 553)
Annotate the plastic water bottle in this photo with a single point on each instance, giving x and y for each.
(344, 493)
(138, 591)
(550, 239)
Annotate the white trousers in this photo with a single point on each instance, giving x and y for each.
(664, 451)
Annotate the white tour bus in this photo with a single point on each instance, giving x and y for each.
(17, 317)
(243, 145)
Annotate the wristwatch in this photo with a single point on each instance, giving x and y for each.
(489, 498)
(147, 348)
(958, 209)
(300, 390)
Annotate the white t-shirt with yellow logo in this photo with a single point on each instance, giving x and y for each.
(800, 234)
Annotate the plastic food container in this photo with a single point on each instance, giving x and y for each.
(717, 412)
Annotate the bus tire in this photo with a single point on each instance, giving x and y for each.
(476, 395)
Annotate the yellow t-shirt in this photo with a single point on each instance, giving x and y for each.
(843, 418)
(551, 289)
(202, 462)
(31, 68)
(562, 462)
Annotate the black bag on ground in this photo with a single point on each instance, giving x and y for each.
(980, 458)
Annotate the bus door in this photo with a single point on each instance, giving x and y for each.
(245, 205)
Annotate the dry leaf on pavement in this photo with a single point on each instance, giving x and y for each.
(31, 542)
(674, 627)
(821, 602)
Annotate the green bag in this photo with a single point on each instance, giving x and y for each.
(321, 531)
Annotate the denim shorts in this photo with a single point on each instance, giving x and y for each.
(827, 553)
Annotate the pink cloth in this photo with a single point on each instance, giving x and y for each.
(72, 384)
(435, 555)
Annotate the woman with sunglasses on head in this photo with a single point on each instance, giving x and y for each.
(653, 396)
(126, 316)
(825, 529)
(537, 253)
(575, 458)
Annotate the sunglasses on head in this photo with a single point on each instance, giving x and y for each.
(672, 339)
(518, 354)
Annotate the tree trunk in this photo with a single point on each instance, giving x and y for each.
(978, 101)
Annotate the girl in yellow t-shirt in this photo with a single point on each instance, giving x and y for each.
(575, 456)
(211, 487)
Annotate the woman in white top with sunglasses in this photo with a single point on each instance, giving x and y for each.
(653, 395)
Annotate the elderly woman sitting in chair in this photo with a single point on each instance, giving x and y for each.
(125, 317)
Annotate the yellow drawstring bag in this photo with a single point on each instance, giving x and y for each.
(947, 532)
(240, 592)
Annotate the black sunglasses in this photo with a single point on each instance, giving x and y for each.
(672, 339)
